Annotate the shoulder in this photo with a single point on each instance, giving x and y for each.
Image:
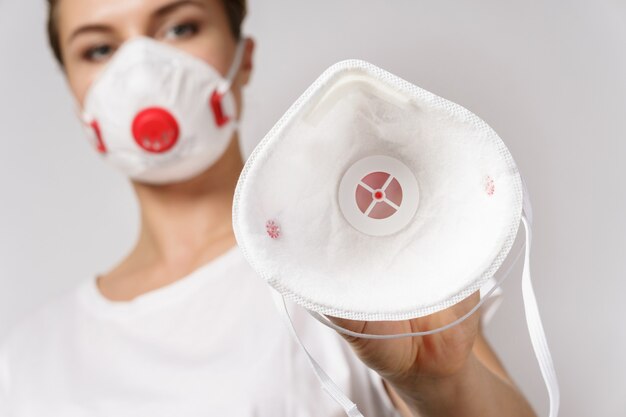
(44, 326)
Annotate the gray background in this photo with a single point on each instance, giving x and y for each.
(548, 76)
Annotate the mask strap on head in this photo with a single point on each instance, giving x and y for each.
(234, 67)
(533, 321)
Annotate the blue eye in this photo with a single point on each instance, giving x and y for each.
(98, 53)
(181, 31)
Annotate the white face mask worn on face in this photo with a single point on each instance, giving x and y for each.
(374, 199)
(159, 114)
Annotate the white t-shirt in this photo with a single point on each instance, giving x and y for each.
(210, 344)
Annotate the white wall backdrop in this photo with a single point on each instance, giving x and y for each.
(548, 76)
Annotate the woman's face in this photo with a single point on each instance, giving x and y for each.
(92, 30)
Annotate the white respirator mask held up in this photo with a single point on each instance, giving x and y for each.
(159, 114)
(373, 199)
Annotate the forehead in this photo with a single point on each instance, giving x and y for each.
(74, 13)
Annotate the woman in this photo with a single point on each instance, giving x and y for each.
(182, 326)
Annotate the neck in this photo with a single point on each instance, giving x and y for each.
(186, 224)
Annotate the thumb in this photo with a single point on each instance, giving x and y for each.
(353, 325)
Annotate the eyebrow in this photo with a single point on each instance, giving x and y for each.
(89, 28)
(168, 8)
(160, 12)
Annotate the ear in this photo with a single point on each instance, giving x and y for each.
(247, 65)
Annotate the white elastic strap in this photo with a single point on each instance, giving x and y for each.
(234, 67)
(535, 329)
(527, 207)
(327, 383)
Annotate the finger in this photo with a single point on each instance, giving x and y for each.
(352, 325)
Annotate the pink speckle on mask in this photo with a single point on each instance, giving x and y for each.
(273, 230)
(490, 186)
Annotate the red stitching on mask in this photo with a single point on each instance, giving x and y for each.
(490, 186)
(273, 230)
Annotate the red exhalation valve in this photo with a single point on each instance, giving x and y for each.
(218, 111)
(99, 142)
(155, 130)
